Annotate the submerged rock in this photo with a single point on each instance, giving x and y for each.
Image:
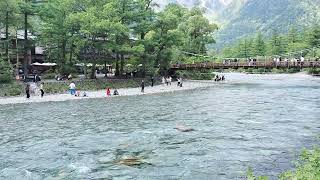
(132, 161)
(182, 128)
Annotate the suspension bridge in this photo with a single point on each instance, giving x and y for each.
(269, 62)
(247, 65)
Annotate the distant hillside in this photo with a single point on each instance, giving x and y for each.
(241, 18)
(265, 16)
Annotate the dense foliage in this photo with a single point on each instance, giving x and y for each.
(307, 167)
(196, 74)
(5, 72)
(292, 44)
(108, 31)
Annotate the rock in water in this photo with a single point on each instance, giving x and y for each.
(131, 161)
(182, 128)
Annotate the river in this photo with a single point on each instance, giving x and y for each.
(258, 121)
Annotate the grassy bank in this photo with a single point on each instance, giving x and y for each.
(314, 71)
(307, 167)
(16, 89)
(196, 74)
(11, 89)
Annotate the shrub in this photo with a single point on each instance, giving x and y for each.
(196, 75)
(259, 71)
(308, 166)
(68, 69)
(5, 78)
(278, 71)
(293, 70)
(251, 176)
(314, 71)
(249, 70)
(48, 76)
(5, 72)
(11, 89)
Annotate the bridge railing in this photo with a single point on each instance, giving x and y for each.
(268, 64)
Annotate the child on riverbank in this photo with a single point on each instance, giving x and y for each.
(108, 92)
(41, 90)
(28, 91)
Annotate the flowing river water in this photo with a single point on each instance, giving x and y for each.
(258, 121)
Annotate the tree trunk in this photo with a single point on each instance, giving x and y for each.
(117, 64)
(93, 71)
(7, 37)
(17, 52)
(63, 50)
(144, 60)
(25, 60)
(85, 70)
(71, 54)
(105, 69)
(121, 64)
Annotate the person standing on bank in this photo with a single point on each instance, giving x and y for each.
(28, 91)
(72, 88)
(152, 81)
(142, 86)
(41, 90)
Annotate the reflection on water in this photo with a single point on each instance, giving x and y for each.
(250, 121)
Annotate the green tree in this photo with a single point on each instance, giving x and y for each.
(55, 31)
(27, 8)
(245, 48)
(313, 36)
(166, 35)
(5, 72)
(292, 35)
(8, 19)
(144, 21)
(259, 46)
(277, 44)
(198, 31)
(100, 28)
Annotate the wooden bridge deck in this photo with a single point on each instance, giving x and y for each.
(268, 65)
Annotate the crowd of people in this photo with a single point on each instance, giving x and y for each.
(72, 90)
(219, 78)
(36, 88)
(287, 62)
(277, 61)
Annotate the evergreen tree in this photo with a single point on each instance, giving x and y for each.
(8, 20)
(244, 48)
(313, 36)
(5, 72)
(277, 44)
(259, 47)
(292, 35)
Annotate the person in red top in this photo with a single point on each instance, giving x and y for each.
(108, 92)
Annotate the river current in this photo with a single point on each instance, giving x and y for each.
(257, 121)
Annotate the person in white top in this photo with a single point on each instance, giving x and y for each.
(72, 88)
(302, 60)
(170, 80)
